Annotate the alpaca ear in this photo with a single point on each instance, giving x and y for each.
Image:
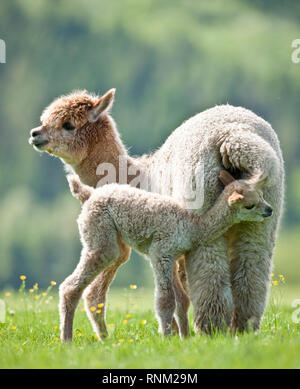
(225, 177)
(101, 106)
(234, 197)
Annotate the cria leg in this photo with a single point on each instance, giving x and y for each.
(95, 295)
(91, 263)
(164, 293)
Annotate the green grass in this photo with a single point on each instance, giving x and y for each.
(34, 342)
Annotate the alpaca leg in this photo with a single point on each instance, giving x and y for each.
(182, 274)
(91, 263)
(182, 299)
(164, 293)
(251, 247)
(175, 328)
(250, 252)
(95, 295)
(210, 288)
(182, 304)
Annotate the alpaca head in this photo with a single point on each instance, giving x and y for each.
(245, 198)
(70, 124)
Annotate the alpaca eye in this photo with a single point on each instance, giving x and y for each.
(68, 126)
(250, 207)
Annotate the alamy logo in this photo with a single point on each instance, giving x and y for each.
(2, 51)
(296, 53)
(183, 182)
(2, 311)
(296, 313)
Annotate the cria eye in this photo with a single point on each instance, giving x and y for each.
(250, 207)
(68, 126)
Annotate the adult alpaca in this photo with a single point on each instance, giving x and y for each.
(78, 129)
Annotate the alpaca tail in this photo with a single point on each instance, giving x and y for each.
(78, 189)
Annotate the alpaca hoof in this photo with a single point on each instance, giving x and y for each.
(104, 336)
(66, 340)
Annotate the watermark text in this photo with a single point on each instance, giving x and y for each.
(296, 313)
(296, 53)
(183, 182)
(2, 51)
(2, 311)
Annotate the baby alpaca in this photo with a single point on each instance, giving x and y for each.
(157, 227)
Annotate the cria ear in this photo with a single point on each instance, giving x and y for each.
(101, 106)
(234, 197)
(225, 177)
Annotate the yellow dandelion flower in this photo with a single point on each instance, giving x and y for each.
(133, 286)
(128, 316)
(125, 321)
(98, 311)
(55, 327)
(36, 286)
(36, 296)
(14, 327)
(275, 283)
(272, 274)
(144, 321)
(82, 309)
(121, 340)
(44, 294)
(131, 340)
(282, 278)
(56, 338)
(79, 334)
(111, 324)
(93, 309)
(100, 305)
(22, 278)
(7, 294)
(53, 283)
(31, 290)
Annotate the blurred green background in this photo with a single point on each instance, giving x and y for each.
(168, 60)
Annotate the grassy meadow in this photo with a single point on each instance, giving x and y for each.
(30, 336)
(168, 60)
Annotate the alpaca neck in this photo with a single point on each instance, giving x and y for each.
(105, 155)
(213, 224)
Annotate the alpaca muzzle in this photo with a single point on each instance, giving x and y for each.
(37, 138)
